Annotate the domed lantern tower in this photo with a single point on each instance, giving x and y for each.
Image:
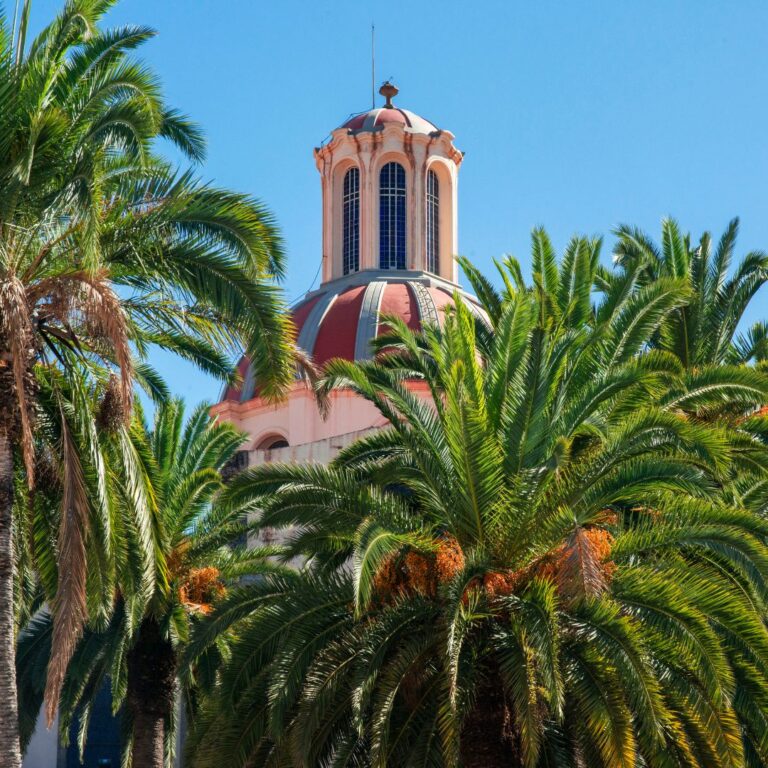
(389, 193)
(389, 183)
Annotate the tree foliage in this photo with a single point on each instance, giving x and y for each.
(196, 549)
(554, 559)
(106, 251)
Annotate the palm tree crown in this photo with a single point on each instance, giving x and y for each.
(105, 251)
(702, 331)
(136, 645)
(536, 566)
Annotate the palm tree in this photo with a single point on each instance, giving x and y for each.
(80, 443)
(689, 289)
(105, 251)
(137, 644)
(536, 567)
(702, 331)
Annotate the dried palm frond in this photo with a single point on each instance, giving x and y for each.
(112, 408)
(105, 318)
(579, 569)
(88, 308)
(17, 332)
(69, 606)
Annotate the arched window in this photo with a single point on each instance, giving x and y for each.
(433, 223)
(271, 442)
(351, 207)
(392, 217)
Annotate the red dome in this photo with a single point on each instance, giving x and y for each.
(341, 319)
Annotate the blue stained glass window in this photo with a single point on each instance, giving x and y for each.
(392, 217)
(433, 223)
(351, 223)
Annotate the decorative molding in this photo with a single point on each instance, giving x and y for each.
(425, 303)
(311, 327)
(387, 275)
(368, 322)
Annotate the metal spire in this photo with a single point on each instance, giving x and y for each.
(373, 66)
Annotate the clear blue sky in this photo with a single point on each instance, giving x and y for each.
(578, 116)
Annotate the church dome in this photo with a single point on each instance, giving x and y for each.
(389, 236)
(375, 119)
(344, 316)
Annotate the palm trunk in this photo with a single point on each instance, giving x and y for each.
(148, 740)
(486, 734)
(151, 688)
(10, 751)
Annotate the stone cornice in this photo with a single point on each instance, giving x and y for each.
(365, 276)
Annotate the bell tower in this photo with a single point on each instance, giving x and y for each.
(389, 183)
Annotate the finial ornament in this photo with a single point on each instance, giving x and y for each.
(388, 91)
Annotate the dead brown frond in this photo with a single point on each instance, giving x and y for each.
(581, 568)
(87, 304)
(112, 409)
(16, 330)
(69, 605)
(103, 315)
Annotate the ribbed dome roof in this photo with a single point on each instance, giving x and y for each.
(376, 119)
(342, 318)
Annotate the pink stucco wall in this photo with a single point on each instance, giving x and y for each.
(297, 419)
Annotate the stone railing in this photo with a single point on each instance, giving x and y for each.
(318, 452)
